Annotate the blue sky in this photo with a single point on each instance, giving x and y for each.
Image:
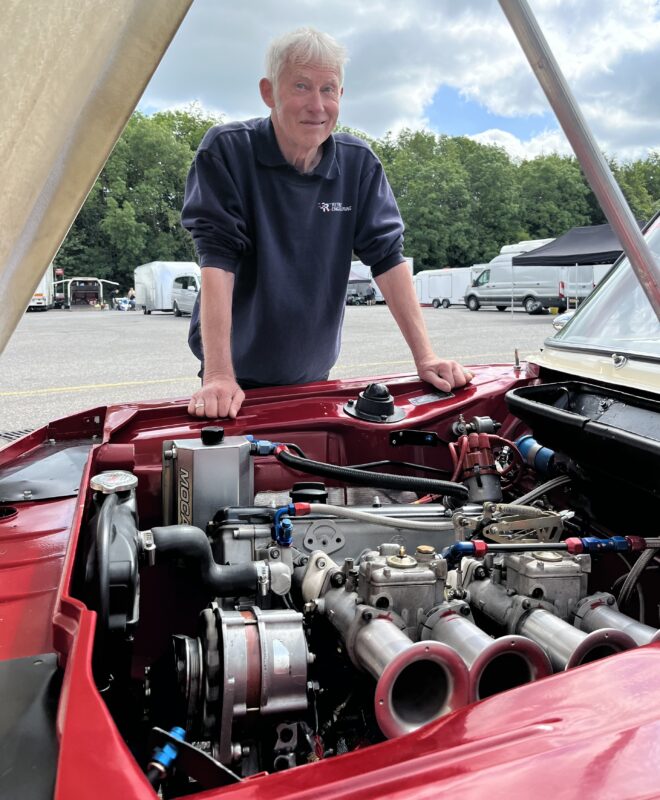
(451, 66)
(456, 115)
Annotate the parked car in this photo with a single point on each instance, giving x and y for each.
(459, 599)
(560, 320)
(154, 283)
(185, 290)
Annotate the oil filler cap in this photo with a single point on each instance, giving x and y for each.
(212, 434)
(375, 404)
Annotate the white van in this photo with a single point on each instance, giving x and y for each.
(580, 280)
(503, 285)
(184, 293)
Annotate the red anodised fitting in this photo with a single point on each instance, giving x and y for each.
(574, 546)
(301, 509)
(480, 548)
(636, 543)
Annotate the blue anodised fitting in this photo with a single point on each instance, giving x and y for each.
(616, 544)
(165, 755)
(455, 552)
(261, 447)
(537, 456)
(282, 525)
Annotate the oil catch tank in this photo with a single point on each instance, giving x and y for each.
(203, 474)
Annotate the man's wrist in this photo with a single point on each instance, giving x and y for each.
(218, 375)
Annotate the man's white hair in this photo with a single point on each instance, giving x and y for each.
(305, 46)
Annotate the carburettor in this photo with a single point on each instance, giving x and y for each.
(389, 579)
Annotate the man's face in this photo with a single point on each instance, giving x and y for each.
(304, 105)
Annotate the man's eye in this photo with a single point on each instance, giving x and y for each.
(301, 86)
(329, 90)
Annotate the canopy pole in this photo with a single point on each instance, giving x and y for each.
(591, 160)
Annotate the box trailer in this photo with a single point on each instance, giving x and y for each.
(442, 288)
(154, 282)
(42, 298)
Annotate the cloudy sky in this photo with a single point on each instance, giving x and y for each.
(451, 66)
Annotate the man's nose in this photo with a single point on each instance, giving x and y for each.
(316, 100)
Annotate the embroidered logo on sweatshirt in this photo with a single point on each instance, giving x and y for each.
(328, 207)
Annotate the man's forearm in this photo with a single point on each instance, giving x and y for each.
(216, 319)
(399, 292)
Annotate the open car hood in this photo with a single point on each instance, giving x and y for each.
(73, 72)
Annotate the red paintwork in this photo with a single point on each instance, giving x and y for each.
(591, 732)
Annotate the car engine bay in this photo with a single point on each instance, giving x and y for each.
(284, 605)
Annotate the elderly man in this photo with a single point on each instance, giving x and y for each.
(276, 208)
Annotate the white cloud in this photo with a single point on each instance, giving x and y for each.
(402, 54)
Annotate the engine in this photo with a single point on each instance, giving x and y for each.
(313, 622)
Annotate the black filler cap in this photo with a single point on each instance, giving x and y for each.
(212, 434)
(375, 404)
(309, 492)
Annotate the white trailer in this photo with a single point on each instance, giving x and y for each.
(361, 272)
(42, 299)
(154, 282)
(442, 288)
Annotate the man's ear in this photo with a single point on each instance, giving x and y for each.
(267, 92)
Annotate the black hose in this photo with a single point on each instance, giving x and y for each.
(376, 479)
(154, 776)
(191, 544)
(103, 536)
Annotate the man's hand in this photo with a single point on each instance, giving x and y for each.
(220, 396)
(444, 375)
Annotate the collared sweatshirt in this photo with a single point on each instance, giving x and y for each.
(289, 239)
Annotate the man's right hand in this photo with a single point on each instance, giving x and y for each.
(220, 396)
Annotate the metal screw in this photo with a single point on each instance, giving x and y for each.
(274, 552)
(27, 494)
(610, 601)
(320, 563)
(526, 604)
(465, 611)
(367, 615)
(338, 579)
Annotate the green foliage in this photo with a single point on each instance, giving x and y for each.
(553, 196)
(460, 200)
(132, 213)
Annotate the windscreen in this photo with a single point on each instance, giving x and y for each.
(618, 316)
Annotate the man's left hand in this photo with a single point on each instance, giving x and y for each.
(444, 375)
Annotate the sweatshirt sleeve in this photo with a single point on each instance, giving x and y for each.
(213, 212)
(379, 235)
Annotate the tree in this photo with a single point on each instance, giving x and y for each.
(553, 196)
(132, 213)
(492, 182)
(429, 184)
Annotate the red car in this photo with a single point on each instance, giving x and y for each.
(355, 589)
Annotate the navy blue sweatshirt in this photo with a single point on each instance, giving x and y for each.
(288, 238)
